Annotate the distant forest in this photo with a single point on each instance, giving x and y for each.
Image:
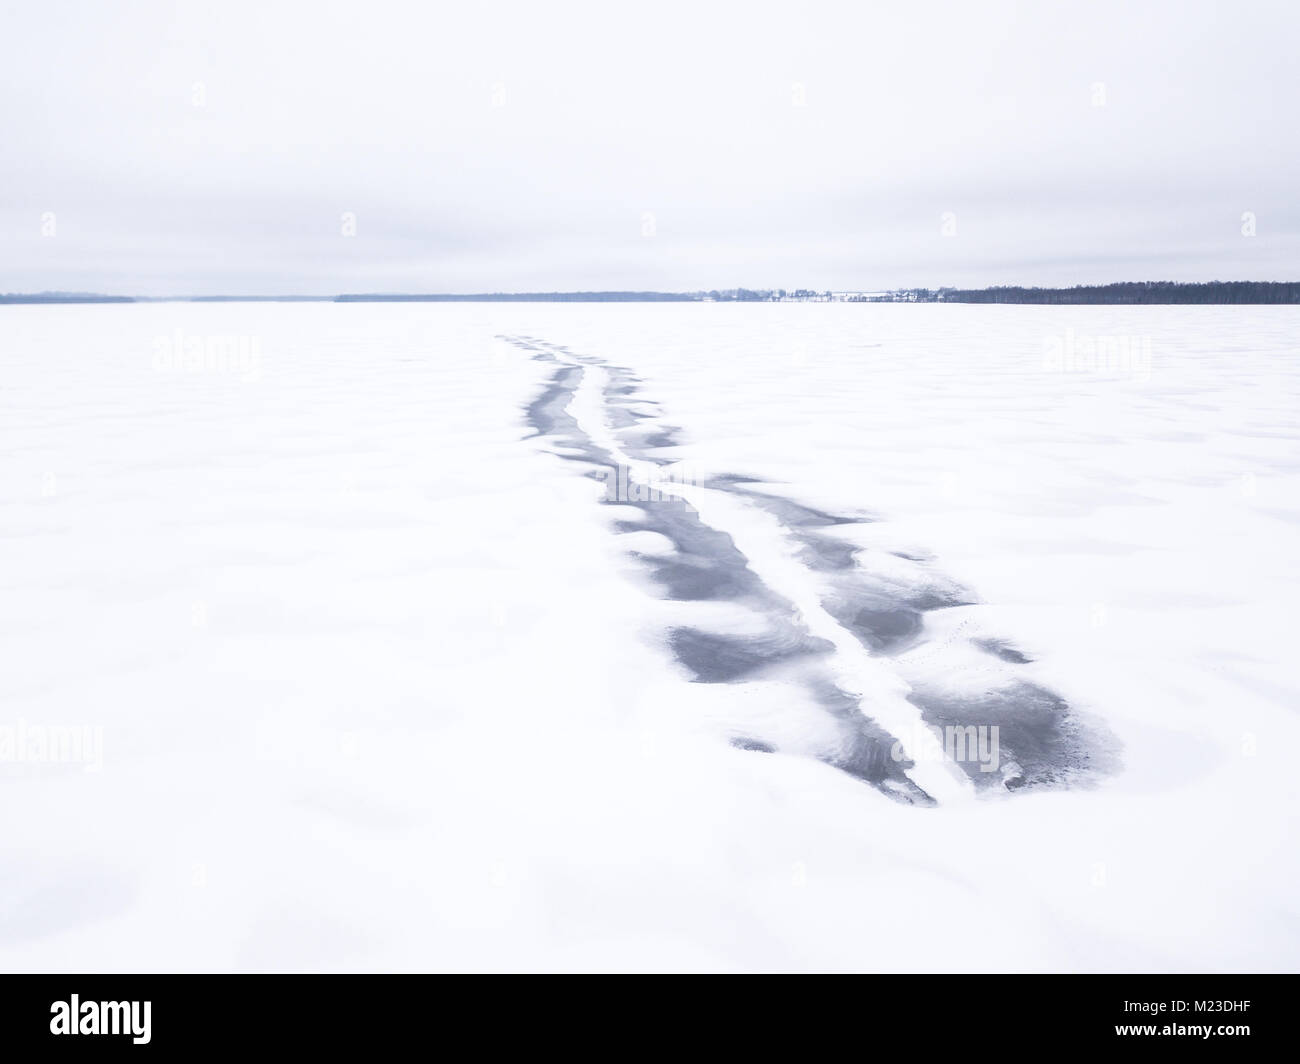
(529, 297)
(1131, 292)
(62, 297)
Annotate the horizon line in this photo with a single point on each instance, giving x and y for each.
(736, 294)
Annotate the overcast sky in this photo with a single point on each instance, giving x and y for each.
(198, 148)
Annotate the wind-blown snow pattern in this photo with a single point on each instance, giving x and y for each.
(925, 719)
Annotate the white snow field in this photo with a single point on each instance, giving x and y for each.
(324, 651)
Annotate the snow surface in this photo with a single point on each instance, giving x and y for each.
(381, 687)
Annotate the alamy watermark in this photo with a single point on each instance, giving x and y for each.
(123, 1018)
(647, 483)
(961, 743)
(43, 744)
(180, 352)
(1083, 353)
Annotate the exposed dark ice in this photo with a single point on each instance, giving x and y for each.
(1042, 741)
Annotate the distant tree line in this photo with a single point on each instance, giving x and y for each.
(1131, 292)
(739, 295)
(1125, 293)
(62, 297)
(529, 297)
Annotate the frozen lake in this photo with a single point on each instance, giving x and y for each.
(425, 636)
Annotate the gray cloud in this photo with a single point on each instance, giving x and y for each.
(200, 148)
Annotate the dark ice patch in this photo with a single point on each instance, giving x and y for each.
(793, 514)
(886, 629)
(826, 554)
(715, 658)
(1041, 742)
(705, 564)
(547, 414)
(866, 749)
(1000, 648)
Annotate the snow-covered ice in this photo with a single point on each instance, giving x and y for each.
(373, 673)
